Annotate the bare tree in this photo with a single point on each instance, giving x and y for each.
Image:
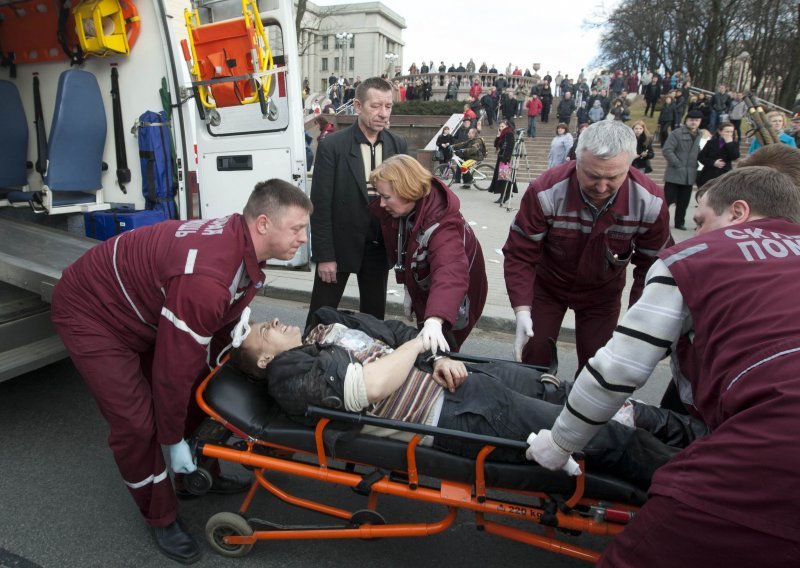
(314, 22)
(705, 39)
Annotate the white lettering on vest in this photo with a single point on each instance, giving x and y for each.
(793, 246)
(215, 227)
(775, 248)
(755, 233)
(756, 248)
(189, 227)
(735, 234)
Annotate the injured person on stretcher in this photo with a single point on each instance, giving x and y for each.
(357, 363)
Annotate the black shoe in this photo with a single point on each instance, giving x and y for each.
(499, 200)
(681, 227)
(222, 485)
(176, 543)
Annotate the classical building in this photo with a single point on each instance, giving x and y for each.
(349, 40)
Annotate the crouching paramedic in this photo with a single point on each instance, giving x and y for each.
(144, 314)
(726, 298)
(578, 227)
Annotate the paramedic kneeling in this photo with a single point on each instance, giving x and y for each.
(730, 498)
(144, 314)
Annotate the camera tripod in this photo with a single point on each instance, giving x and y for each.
(518, 153)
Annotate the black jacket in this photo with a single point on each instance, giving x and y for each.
(712, 152)
(341, 223)
(643, 144)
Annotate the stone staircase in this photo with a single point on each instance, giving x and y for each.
(538, 148)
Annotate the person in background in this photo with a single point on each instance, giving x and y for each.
(534, 107)
(444, 143)
(652, 94)
(436, 255)
(666, 118)
(680, 151)
(730, 497)
(345, 237)
(324, 126)
(559, 146)
(644, 147)
(777, 121)
(718, 154)
(737, 114)
(504, 145)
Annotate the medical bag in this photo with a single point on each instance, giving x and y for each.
(152, 130)
(102, 225)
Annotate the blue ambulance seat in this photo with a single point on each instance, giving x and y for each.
(77, 139)
(14, 141)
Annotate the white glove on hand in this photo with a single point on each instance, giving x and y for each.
(544, 451)
(407, 305)
(180, 458)
(432, 337)
(524, 332)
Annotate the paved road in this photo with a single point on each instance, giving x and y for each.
(62, 504)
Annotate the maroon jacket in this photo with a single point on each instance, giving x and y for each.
(171, 289)
(442, 260)
(556, 238)
(740, 286)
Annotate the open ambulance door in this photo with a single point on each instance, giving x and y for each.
(246, 102)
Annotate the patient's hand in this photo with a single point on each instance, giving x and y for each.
(449, 374)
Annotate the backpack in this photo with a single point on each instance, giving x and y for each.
(152, 130)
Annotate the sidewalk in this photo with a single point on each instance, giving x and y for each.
(490, 223)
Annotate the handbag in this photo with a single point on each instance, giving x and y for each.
(438, 156)
(504, 172)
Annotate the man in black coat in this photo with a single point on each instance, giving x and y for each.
(345, 237)
(652, 93)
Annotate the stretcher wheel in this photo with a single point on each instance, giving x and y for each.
(198, 482)
(367, 517)
(223, 525)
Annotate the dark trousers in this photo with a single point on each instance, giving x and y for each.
(500, 400)
(649, 106)
(545, 115)
(667, 533)
(119, 379)
(372, 279)
(680, 195)
(595, 319)
(737, 129)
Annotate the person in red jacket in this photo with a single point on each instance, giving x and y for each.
(731, 497)
(436, 255)
(578, 227)
(534, 106)
(145, 314)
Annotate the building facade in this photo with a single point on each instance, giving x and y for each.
(349, 40)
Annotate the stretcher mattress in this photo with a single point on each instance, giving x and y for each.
(247, 406)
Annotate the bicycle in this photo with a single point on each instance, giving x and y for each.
(481, 173)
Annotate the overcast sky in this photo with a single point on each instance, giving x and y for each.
(525, 32)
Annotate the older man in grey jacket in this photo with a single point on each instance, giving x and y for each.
(680, 150)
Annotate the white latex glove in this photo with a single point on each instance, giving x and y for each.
(524, 332)
(407, 305)
(544, 451)
(432, 337)
(180, 458)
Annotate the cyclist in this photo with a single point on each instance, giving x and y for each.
(473, 148)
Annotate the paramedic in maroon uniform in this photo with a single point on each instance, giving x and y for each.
(730, 498)
(578, 227)
(144, 314)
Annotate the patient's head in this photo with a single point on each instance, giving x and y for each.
(265, 341)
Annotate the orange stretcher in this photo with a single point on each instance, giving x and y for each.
(373, 466)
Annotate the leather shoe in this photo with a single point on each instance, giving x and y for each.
(176, 543)
(221, 485)
(681, 227)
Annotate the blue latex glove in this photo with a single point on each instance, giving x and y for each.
(180, 458)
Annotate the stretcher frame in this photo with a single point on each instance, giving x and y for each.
(231, 535)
